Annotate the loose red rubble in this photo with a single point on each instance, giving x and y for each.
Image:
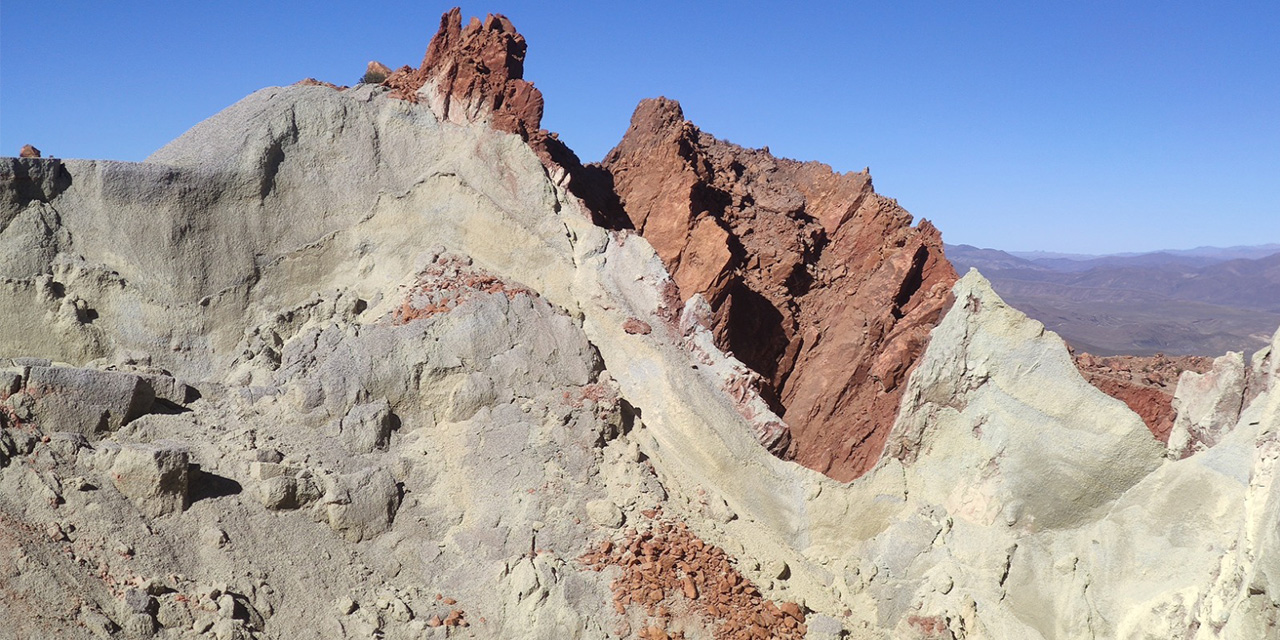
(668, 571)
(446, 283)
(312, 82)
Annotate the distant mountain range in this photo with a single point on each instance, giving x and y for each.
(1202, 301)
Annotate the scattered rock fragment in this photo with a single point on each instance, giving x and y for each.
(636, 326)
(362, 505)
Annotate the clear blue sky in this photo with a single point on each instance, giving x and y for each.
(1075, 126)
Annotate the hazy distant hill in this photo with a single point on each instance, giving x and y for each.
(1202, 301)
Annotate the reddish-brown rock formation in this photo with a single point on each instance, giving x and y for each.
(476, 74)
(376, 72)
(29, 151)
(1145, 383)
(817, 282)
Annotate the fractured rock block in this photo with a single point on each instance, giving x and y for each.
(154, 477)
(367, 427)
(170, 389)
(361, 505)
(86, 401)
(278, 492)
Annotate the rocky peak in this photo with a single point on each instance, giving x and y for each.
(29, 151)
(477, 73)
(818, 283)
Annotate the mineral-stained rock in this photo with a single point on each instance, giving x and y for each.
(473, 74)
(274, 256)
(817, 282)
(476, 74)
(1207, 404)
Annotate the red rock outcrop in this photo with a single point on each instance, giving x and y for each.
(1145, 383)
(817, 282)
(476, 74)
(29, 151)
(376, 72)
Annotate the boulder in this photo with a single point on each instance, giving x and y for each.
(153, 476)
(361, 505)
(367, 427)
(1208, 405)
(87, 401)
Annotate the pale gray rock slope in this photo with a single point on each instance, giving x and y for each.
(328, 367)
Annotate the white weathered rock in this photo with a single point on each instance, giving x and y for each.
(1207, 403)
(367, 427)
(361, 505)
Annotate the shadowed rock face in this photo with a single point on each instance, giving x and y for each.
(817, 282)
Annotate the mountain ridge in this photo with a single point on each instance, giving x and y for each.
(335, 362)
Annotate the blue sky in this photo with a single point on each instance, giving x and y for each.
(1064, 126)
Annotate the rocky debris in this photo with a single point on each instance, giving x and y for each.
(447, 282)
(29, 151)
(816, 282)
(669, 573)
(637, 326)
(363, 504)
(367, 427)
(1144, 383)
(283, 487)
(155, 477)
